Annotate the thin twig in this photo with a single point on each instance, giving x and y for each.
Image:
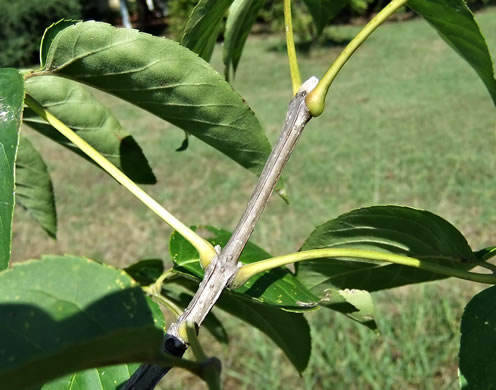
(224, 267)
(205, 249)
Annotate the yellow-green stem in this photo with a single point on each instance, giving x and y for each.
(156, 286)
(206, 250)
(249, 270)
(167, 303)
(316, 99)
(293, 62)
(192, 339)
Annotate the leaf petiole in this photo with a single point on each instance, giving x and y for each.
(249, 270)
(315, 100)
(167, 303)
(205, 249)
(293, 62)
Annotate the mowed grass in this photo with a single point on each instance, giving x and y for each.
(407, 122)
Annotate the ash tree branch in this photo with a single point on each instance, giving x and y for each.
(224, 267)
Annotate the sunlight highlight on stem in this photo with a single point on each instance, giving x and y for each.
(249, 270)
(205, 249)
(293, 62)
(316, 99)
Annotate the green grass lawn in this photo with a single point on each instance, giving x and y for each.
(407, 122)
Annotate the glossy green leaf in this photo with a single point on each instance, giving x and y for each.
(486, 253)
(323, 11)
(165, 79)
(103, 378)
(74, 105)
(290, 331)
(357, 305)
(277, 287)
(478, 342)
(389, 229)
(242, 16)
(455, 23)
(145, 272)
(11, 102)
(34, 190)
(203, 25)
(67, 314)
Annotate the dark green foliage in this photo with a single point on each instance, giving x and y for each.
(68, 313)
(305, 29)
(204, 25)
(179, 12)
(272, 15)
(22, 24)
(477, 343)
(389, 229)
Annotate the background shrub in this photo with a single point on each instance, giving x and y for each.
(272, 14)
(179, 11)
(22, 24)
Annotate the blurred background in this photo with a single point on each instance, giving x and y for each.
(407, 122)
(22, 23)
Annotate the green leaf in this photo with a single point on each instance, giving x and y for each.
(486, 253)
(203, 26)
(50, 34)
(277, 287)
(74, 105)
(478, 342)
(390, 229)
(11, 102)
(103, 378)
(357, 305)
(323, 11)
(145, 272)
(165, 79)
(290, 331)
(67, 314)
(242, 16)
(455, 23)
(184, 145)
(34, 190)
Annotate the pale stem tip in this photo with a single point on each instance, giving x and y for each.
(309, 85)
